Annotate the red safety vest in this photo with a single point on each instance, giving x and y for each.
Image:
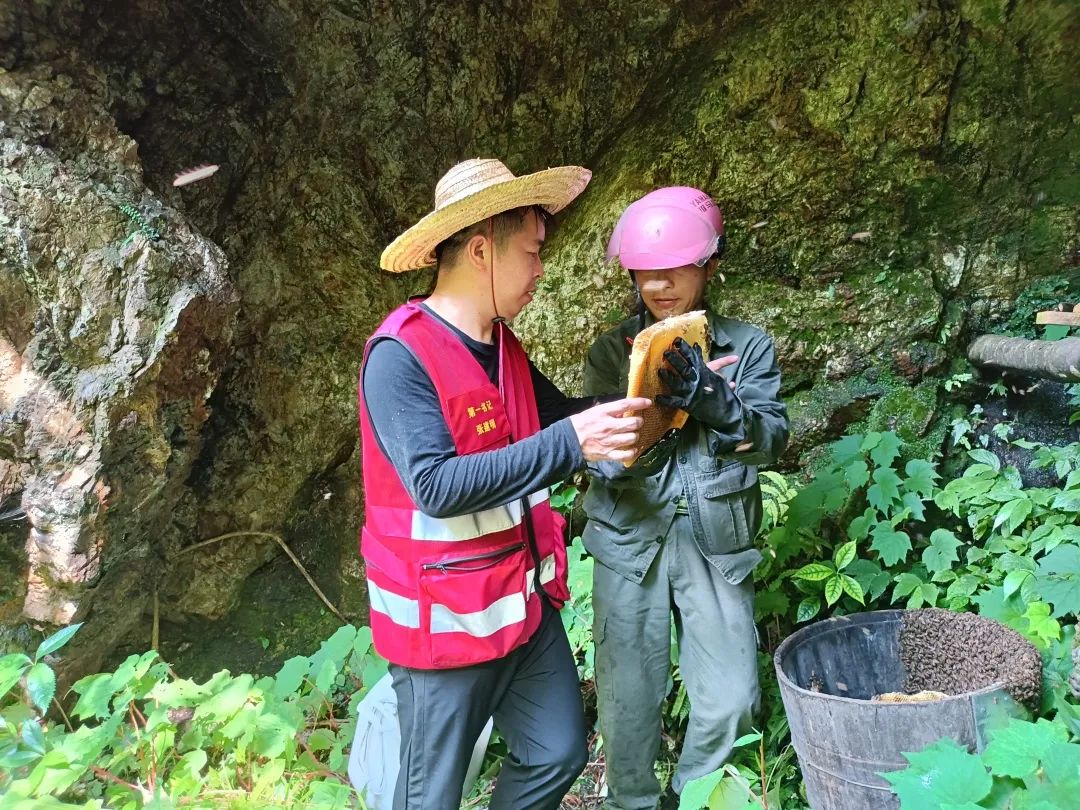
(448, 592)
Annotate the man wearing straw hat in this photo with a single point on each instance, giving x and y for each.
(462, 436)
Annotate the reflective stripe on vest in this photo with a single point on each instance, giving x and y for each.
(504, 612)
(415, 525)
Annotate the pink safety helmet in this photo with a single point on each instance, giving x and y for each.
(669, 227)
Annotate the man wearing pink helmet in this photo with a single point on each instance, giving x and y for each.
(673, 535)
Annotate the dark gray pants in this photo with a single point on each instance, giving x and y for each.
(714, 624)
(534, 696)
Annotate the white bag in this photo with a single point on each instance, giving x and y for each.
(376, 750)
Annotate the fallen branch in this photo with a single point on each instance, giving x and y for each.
(1049, 359)
(285, 548)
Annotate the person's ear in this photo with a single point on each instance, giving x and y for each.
(476, 252)
(711, 268)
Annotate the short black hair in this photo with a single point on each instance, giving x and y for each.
(503, 226)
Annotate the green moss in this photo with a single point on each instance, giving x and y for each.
(913, 412)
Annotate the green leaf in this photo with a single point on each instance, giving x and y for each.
(852, 588)
(769, 603)
(1058, 579)
(846, 449)
(994, 605)
(41, 685)
(836, 495)
(834, 589)
(268, 776)
(886, 450)
(291, 675)
(695, 794)
(85, 745)
(732, 793)
(891, 545)
(808, 609)
(844, 555)
(1004, 491)
(363, 644)
(746, 739)
(95, 694)
(273, 734)
(1068, 501)
(987, 458)
(913, 503)
(186, 775)
(857, 474)
(859, 528)
(885, 490)
(13, 758)
(563, 497)
(375, 667)
(871, 578)
(232, 695)
(941, 553)
(927, 593)
(56, 641)
(56, 774)
(921, 476)
(1061, 762)
(1016, 749)
(1040, 625)
(947, 500)
(944, 773)
(131, 671)
(325, 677)
(1014, 580)
(1010, 561)
(12, 668)
(33, 736)
(1013, 514)
(814, 572)
(336, 649)
(906, 584)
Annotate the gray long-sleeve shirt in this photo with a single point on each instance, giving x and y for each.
(409, 425)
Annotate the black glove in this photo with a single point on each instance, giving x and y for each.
(698, 390)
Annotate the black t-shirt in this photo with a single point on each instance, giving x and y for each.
(409, 425)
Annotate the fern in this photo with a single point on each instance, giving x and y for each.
(140, 223)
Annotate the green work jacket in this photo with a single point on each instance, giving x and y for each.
(695, 470)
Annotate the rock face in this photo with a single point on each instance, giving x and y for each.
(116, 322)
(888, 176)
(892, 175)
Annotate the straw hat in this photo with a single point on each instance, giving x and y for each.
(473, 191)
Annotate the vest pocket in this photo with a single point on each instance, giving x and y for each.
(474, 605)
(558, 588)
